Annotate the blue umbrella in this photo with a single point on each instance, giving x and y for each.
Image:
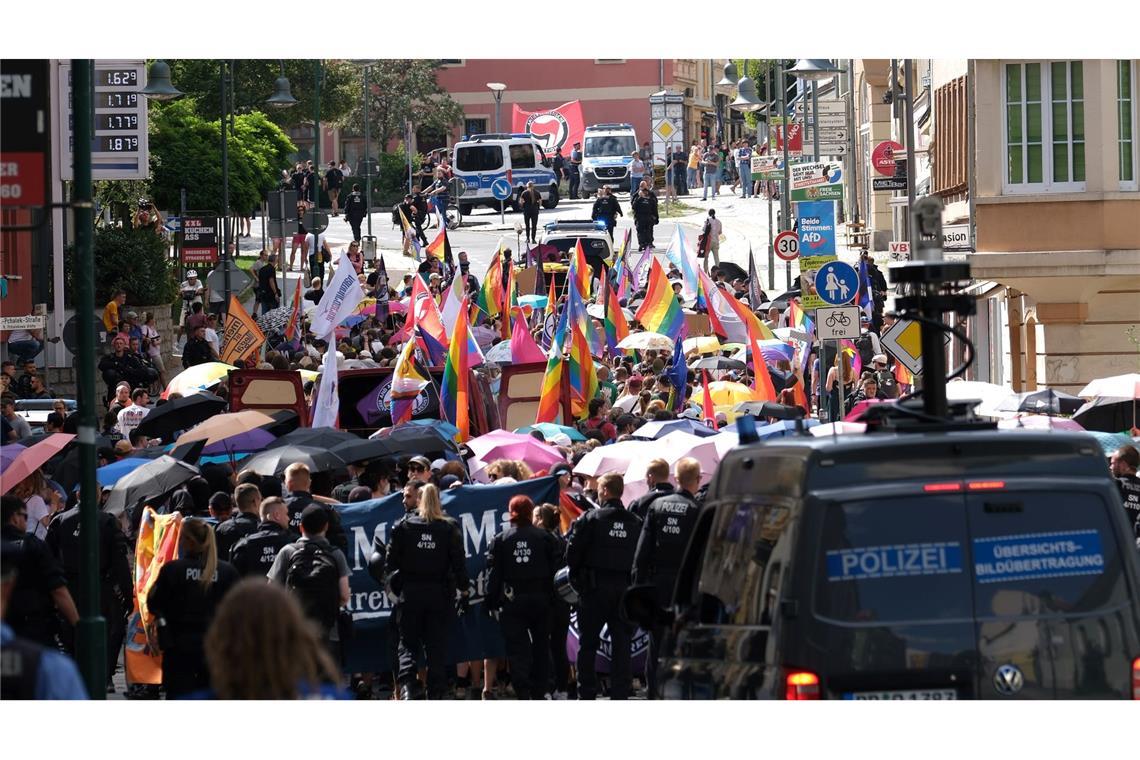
(1110, 442)
(443, 426)
(549, 430)
(108, 475)
(783, 428)
(654, 430)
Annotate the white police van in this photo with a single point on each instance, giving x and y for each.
(518, 158)
(607, 152)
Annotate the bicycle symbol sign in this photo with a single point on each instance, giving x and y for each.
(838, 323)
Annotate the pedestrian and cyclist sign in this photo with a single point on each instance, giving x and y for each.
(838, 322)
(787, 245)
(836, 283)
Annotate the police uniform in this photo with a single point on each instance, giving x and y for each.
(354, 212)
(574, 171)
(600, 555)
(254, 554)
(668, 525)
(1129, 486)
(115, 578)
(30, 610)
(229, 532)
(640, 505)
(178, 598)
(297, 502)
(608, 209)
(521, 562)
(429, 558)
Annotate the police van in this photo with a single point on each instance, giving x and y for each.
(607, 152)
(517, 158)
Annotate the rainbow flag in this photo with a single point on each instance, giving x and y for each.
(903, 375)
(550, 400)
(427, 323)
(706, 401)
(660, 312)
(616, 326)
(441, 246)
(579, 270)
(510, 299)
(523, 348)
(294, 325)
(583, 376)
(407, 382)
(410, 234)
(454, 392)
(799, 318)
(800, 394)
(761, 380)
(551, 299)
(491, 294)
(856, 360)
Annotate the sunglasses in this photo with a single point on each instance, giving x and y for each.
(416, 468)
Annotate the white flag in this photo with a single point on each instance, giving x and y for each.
(341, 297)
(327, 405)
(452, 303)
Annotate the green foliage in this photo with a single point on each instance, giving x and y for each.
(253, 82)
(758, 70)
(137, 261)
(122, 195)
(186, 153)
(392, 183)
(402, 90)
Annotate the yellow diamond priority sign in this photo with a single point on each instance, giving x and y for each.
(665, 129)
(903, 340)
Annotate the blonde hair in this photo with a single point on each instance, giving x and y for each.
(197, 539)
(261, 646)
(33, 485)
(510, 468)
(430, 507)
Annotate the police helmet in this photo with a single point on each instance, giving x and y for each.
(566, 592)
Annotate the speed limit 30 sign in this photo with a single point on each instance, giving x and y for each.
(787, 245)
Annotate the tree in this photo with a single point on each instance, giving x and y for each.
(758, 70)
(137, 261)
(185, 152)
(253, 82)
(402, 90)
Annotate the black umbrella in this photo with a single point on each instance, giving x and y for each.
(64, 467)
(180, 414)
(1047, 401)
(718, 363)
(363, 450)
(781, 301)
(284, 421)
(1108, 415)
(189, 452)
(274, 461)
(321, 438)
(150, 481)
(409, 440)
(769, 409)
(733, 271)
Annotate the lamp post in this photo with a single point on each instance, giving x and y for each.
(814, 70)
(497, 89)
(366, 65)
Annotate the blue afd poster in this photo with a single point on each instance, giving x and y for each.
(816, 228)
(481, 512)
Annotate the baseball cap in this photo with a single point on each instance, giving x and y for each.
(879, 358)
(561, 468)
(420, 460)
(191, 274)
(438, 464)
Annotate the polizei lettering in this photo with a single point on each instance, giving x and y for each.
(899, 560)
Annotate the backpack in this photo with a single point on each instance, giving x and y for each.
(314, 577)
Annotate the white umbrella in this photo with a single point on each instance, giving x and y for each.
(1119, 386)
(598, 311)
(838, 428)
(787, 333)
(671, 448)
(988, 394)
(644, 341)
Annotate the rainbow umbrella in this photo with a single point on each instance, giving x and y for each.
(200, 377)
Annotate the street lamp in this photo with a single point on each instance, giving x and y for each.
(728, 81)
(282, 97)
(158, 85)
(497, 89)
(366, 65)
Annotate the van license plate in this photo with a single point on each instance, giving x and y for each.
(915, 694)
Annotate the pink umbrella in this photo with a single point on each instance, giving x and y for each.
(672, 448)
(503, 444)
(1039, 422)
(838, 428)
(33, 457)
(613, 458)
(857, 411)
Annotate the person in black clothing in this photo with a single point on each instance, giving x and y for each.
(607, 207)
(334, 178)
(600, 555)
(355, 209)
(427, 551)
(421, 205)
(574, 169)
(521, 562)
(121, 364)
(1123, 465)
(531, 201)
(680, 165)
(183, 600)
(316, 291)
(268, 294)
(558, 164)
(64, 538)
(241, 523)
(41, 583)
(668, 524)
(297, 483)
(376, 569)
(254, 553)
(547, 517)
(657, 477)
(197, 349)
(644, 216)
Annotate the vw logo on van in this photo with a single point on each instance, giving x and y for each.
(1008, 680)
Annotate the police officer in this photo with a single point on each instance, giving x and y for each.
(355, 209)
(600, 555)
(376, 569)
(228, 532)
(521, 562)
(427, 550)
(254, 553)
(606, 208)
(644, 207)
(115, 580)
(668, 524)
(574, 169)
(41, 581)
(298, 481)
(1123, 463)
(183, 600)
(657, 477)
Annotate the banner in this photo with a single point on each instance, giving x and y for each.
(341, 297)
(820, 181)
(326, 405)
(242, 337)
(157, 544)
(481, 513)
(556, 128)
(795, 135)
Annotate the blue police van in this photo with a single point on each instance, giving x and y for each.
(517, 158)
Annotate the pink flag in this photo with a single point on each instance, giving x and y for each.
(523, 348)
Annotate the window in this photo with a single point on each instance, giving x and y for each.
(950, 168)
(452, 62)
(1126, 115)
(609, 60)
(474, 127)
(522, 156)
(1044, 126)
(479, 158)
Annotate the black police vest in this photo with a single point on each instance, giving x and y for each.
(1130, 495)
(615, 534)
(425, 549)
(672, 519)
(523, 554)
(19, 669)
(228, 533)
(254, 554)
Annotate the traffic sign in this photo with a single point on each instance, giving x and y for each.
(787, 245)
(836, 283)
(28, 322)
(239, 278)
(824, 107)
(883, 157)
(501, 189)
(903, 340)
(809, 265)
(838, 322)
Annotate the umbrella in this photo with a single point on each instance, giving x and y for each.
(598, 311)
(718, 363)
(308, 375)
(1039, 422)
(416, 439)
(534, 301)
(671, 448)
(274, 461)
(108, 475)
(702, 344)
(32, 458)
(1107, 414)
(275, 320)
(257, 439)
(727, 393)
(549, 430)
(442, 427)
(223, 426)
(783, 428)
(284, 421)
(612, 458)
(838, 428)
(654, 430)
(767, 409)
(503, 444)
(1047, 401)
(180, 414)
(861, 407)
(500, 353)
(644, 341)
(725, 441)
(362, 450)
(781, 301)
(321, 438)
(791, 333)
(1117, 386)
(988, 394)
(8, 454)
(732, 271)
(149, 481)
(1110, 442)
(197, 378)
